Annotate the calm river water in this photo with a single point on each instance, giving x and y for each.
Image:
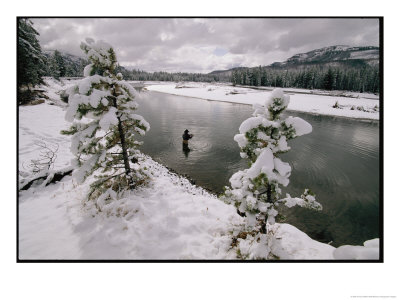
(339, 161)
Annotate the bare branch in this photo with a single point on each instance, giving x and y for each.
(47, 157)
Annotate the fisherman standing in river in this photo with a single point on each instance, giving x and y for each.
(185, 141)
(186, 137)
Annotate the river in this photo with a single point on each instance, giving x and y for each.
(338, 161)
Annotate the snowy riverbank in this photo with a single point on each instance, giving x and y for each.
(350, 105)
(167, 219)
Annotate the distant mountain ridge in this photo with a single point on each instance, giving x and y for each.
(339, 53)
(334, 56)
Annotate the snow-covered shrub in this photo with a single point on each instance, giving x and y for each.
(101, 107)
(336, 105)
(256, 191)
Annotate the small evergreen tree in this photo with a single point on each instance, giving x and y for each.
(30, 61)
(256, 191)
(329, 80)
(102, 107)
(57, 65)
(264, 78)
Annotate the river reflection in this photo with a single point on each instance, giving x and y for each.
(339, 161)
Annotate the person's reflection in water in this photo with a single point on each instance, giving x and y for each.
(185, 142)
(185, 149)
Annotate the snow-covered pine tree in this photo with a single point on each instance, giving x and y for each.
(31, 61)
(102, 108)
(256, 191)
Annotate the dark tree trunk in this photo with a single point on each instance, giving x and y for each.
(269, 200)
(124, 150)
(269, 194)
(123, 146)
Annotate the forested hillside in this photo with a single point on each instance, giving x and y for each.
(348, 78)
(329, 68)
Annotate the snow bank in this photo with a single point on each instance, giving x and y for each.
(169, 219)
(291, 243)
(370, 250)
(300, 100)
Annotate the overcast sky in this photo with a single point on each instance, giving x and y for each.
(204, 45)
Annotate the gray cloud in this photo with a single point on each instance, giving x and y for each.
(328, 32)
(189, 45)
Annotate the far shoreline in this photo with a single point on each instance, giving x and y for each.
(292, 110)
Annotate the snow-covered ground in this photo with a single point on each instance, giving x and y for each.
(351, 105)
(167, 219)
